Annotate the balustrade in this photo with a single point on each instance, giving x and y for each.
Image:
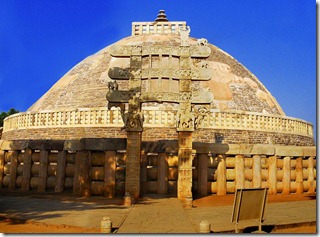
(216, 119)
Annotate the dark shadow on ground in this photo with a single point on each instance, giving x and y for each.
(252, 229)
(25, 206)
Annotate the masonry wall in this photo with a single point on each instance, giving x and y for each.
(97, 167)
(223, 136)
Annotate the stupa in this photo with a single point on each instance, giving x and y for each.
(196, 120)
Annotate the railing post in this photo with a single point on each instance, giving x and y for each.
(299, 176)
(272, 175)
(311, 175)
(222, 177)
(110, 172)
(256, 171)
(61, 171)
(13, 169)
(43, 171)
(239, 168)
(286, 180)
(27, 161)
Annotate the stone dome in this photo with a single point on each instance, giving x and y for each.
(233, 86)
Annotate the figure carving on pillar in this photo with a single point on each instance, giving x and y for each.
(113, 85)
(185, 119)
(133, 119)
(184, 32)
(202, 42)
(200, 115)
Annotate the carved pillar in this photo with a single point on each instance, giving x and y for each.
(256, 171)
(110, 174)
(27, 161)
(61, 171)
(133, 164)
(185, 165)
(286, 180)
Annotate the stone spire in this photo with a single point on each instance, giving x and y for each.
(161, 16)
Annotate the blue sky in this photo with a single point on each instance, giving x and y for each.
(275, 39)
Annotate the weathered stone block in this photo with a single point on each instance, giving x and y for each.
(210, 147)
(14, 145)
(288, 151)
(233, 149)
(74, 145)
(162, 146)
(46, 144)
(103, 144)
(309, 151)
(253, 149)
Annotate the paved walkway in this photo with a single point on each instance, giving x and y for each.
(154, 214)
(157, 215)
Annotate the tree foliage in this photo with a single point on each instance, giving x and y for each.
(3, 115)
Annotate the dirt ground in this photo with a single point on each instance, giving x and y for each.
(19, 226)
(12, 226)
(9, 226)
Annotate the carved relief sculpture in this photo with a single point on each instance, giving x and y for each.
(184, 32)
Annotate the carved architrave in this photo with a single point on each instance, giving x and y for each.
(194, 51)
(201, 74)
(125, 50)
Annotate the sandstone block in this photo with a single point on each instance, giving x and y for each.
(74, 145)
(46, 144)
(288, 151)
(210, 147)
(309, 151)
(254, 149)
(14, 145)
(103, 144)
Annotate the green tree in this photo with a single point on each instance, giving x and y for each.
(3, 115)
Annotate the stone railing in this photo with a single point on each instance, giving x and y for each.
(58, 165)
(102, 117)
(140, 28)
(258, 122)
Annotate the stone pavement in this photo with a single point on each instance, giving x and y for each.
(152, 214)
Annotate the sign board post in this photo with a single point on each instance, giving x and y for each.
(249, 204)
